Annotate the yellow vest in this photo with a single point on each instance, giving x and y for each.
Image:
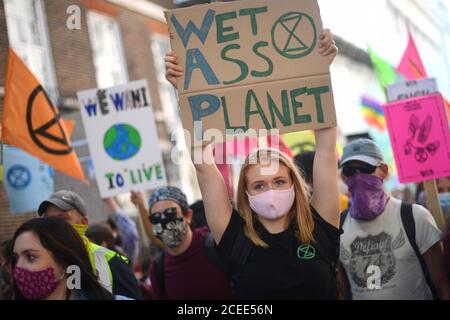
(100, 257)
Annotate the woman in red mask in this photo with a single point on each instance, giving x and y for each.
(50, 262)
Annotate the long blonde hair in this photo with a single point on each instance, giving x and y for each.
(300, 209)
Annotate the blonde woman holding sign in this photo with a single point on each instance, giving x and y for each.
(280, 243)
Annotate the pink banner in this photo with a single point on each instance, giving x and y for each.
(420, 138)
(411, 65)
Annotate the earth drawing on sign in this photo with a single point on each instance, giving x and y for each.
(122, 142)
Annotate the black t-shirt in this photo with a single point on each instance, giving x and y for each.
(287, 269)
(124, 281)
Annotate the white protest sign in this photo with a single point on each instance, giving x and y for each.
(411, 89)
(122, 138)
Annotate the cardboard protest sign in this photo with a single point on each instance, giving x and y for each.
(411, 89)
(122, 138)
(420, 138)
(252, 65)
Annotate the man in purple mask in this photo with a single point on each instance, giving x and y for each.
(389, 250)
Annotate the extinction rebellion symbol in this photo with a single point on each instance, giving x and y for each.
(43, 136)
(18, 177)
(306, 252)
(294, 35)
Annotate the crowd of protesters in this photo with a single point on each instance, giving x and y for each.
(289, 234)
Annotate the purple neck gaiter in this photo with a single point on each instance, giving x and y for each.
(368, 197)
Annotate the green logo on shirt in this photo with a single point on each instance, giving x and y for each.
(306, 252)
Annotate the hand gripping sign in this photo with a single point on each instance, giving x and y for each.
(251, 65)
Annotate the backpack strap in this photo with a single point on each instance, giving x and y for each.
(159, 271)
(409, 225)
(347, 286)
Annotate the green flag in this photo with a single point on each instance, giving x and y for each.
(385, 71)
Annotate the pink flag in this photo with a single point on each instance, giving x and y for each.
(411, 65)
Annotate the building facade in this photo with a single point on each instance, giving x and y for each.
(73, 45)
(125, 40)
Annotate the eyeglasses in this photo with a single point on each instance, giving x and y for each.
(363, 168)
(168, 214)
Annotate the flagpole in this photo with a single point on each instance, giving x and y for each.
(433, 204)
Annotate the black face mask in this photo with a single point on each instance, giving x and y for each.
(168, 227)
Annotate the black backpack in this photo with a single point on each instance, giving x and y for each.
(240, 252)
(406, 212)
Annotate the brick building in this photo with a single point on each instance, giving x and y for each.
(118, 41)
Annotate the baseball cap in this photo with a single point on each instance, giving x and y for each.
(364, 150)
(65, 200)
(169, 193)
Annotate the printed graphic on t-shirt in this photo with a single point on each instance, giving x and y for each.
(373, 251)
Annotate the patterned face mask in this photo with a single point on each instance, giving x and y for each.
(35, 285)
(368, 197)
(168, 227)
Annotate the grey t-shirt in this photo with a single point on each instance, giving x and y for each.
(378, 259)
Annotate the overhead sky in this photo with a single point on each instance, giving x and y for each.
(371, 23)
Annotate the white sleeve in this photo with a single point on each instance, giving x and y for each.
(427, 232)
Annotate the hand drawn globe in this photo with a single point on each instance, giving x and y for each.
(122, 141)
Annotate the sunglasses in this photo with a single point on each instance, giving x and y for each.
(168, 214)
(363, 168)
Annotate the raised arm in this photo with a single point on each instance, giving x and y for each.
(212, 186)
(137, 198)
(126, 226)
(214, 192)
(325, 198)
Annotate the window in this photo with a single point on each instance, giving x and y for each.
(28, 37)
(186, 178)
(106, 44)
(167, 93)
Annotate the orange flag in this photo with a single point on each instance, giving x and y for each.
(32, 123)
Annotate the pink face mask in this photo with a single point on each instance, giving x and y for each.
(272, 204)
(35, 285)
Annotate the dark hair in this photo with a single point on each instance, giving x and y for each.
(118, 240)
(420, 187)
(5, 248)
(305, 162)
(198, 214)
(68, 248)
(99, 233)
(112, 224)
(6, 292)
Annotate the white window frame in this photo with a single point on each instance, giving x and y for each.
(171, 115)
(119, 50)
(172, 119)
(24, 50)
